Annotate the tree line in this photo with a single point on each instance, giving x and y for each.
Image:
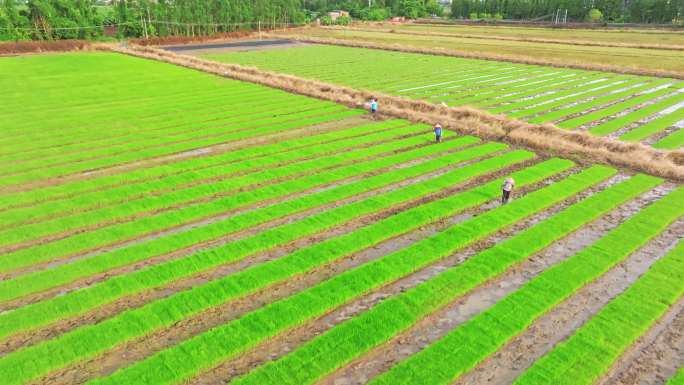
(91, 19)
(616, 11)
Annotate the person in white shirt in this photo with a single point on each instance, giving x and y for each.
(507, 187)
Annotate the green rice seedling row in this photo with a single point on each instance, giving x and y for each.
(73, 303)
(221, 205)
(143, 199)
(220, 185)
(470, 343)
(230, 339)
(616, 327)
(220, 166)
(355, 337)
(498, 87)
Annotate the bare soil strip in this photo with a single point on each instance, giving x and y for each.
(561, 322)
(547, 139)
(660, 135)
(136, 350)
(435, 326)
(656, 356)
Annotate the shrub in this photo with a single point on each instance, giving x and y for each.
(343, 20)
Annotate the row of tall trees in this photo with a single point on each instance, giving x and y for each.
(628, 11)
(86, 19)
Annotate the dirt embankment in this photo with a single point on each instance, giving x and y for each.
(24, 47)
(548, 139)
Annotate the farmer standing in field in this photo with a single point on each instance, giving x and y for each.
(438, 133)
(507, 187)
(373, 105)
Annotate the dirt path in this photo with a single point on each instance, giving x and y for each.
(138, 349)
(656, 356)
(244, 45)
(441, 322)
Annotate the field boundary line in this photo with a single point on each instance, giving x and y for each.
(549, 139)
(664, 47)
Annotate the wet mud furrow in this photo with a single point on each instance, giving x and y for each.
(651, 140)
(34, 336)
(656, 356)
(136, 350)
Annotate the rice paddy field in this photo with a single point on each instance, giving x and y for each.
(160, 225)
(632, 108)
(658, 50)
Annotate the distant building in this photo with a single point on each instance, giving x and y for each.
(336, 14)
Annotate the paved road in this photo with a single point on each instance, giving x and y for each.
(238, 44)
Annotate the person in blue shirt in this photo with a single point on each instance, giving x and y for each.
(438, 133)
(373, 105)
